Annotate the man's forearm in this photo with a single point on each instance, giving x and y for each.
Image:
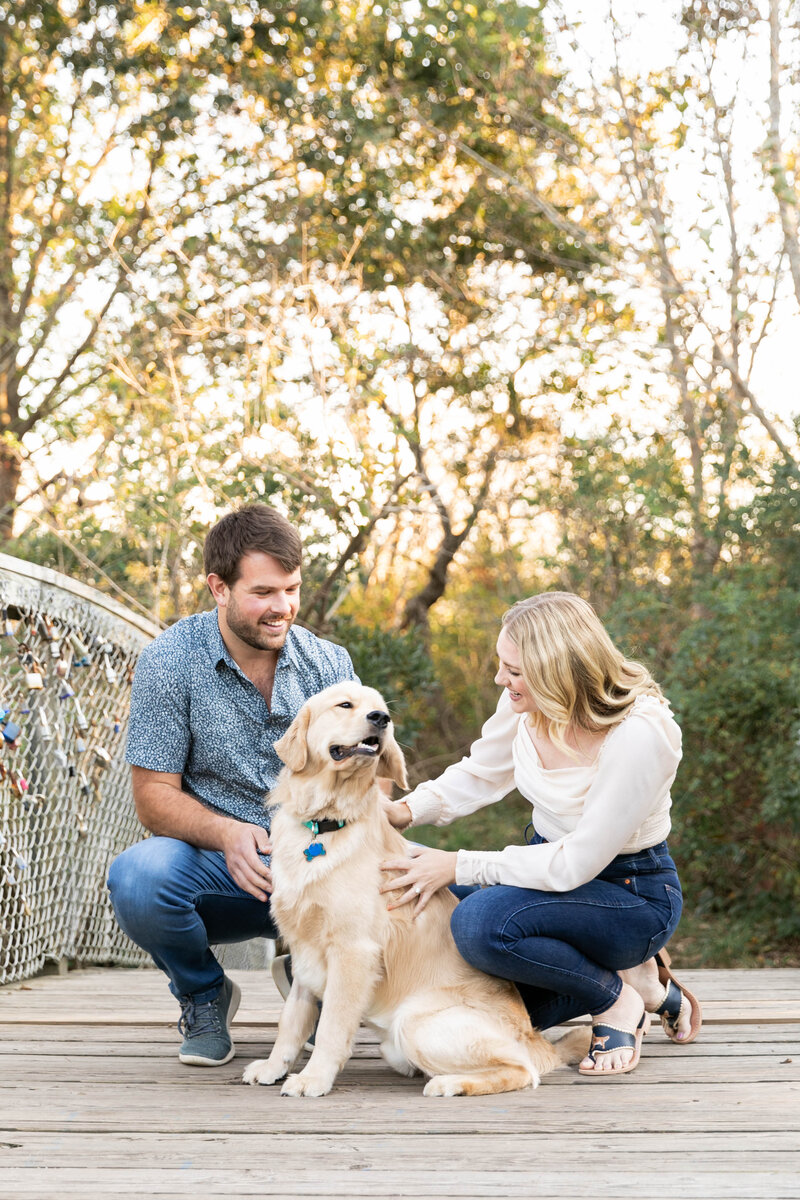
(166, 810)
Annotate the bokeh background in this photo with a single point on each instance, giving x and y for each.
(488, 298)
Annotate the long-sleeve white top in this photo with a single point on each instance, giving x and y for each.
(618, 804)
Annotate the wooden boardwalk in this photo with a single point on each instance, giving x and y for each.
(94, 1103)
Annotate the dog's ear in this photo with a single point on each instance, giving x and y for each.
(292, 748)
(392, 763)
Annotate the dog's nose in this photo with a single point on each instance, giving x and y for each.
(379, 719)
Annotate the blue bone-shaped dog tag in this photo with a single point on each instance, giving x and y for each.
(315, 850)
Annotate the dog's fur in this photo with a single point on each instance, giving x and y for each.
(403, 976)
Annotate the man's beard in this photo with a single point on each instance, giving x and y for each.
(254, 634)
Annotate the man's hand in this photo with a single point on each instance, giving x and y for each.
(240, 845)
(166, 810)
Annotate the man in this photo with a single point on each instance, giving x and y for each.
(210, 698)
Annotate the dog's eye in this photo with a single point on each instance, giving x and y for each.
(344, 704)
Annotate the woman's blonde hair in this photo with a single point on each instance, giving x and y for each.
(571, 667)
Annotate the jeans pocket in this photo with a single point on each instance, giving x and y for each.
(675, 902)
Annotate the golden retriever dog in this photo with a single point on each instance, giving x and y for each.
(403, 977)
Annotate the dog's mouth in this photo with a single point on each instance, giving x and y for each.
(368, 747)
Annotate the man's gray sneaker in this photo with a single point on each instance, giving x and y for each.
(206, 1028)
(282, 974)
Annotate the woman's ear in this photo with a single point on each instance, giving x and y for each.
(292, 748)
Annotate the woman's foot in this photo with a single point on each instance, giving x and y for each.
(615, 1055)
(652, 984)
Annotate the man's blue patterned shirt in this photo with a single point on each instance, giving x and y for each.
(195, 713)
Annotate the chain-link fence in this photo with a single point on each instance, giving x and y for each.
(67, 654)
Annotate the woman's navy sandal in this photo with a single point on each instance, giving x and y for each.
(607, 1038)
(670, 1008)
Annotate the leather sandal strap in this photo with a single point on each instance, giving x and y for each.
(670, 1008)
(606, 1039)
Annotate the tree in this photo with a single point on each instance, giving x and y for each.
(715, 278)
(413, 166)
(94, 99)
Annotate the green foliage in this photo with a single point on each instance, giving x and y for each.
(735, 684)
(727, 654)
(384, 105)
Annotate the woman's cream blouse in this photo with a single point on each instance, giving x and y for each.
(617, 804)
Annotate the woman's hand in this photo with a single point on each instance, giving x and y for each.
(396, 812)
(422, 874)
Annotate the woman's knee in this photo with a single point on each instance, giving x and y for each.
(476, 928)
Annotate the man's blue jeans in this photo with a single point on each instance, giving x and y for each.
(563, 949)
(175, 901)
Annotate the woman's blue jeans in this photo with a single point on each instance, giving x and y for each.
(563, 949)
(176, 901)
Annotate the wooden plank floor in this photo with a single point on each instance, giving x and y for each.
(94, 1103)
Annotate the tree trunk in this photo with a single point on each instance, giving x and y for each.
(419, 606)
(10, 470)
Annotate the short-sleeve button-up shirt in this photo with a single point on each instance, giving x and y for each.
(195, 713)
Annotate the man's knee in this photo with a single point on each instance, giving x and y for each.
(137, 876)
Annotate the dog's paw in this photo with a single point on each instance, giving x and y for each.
(305, 1084)
(264, 1070)
(443, 1085)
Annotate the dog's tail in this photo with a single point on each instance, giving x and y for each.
(547, 1056)
(574, 1045)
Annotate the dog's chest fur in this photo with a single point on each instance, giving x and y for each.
(331, 899)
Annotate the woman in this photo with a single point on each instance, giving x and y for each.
(579, 917)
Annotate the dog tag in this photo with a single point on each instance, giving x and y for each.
(315, 850)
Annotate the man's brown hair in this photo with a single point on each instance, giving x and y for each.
(252, 529)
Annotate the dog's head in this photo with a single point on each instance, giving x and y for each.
(347, 730)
